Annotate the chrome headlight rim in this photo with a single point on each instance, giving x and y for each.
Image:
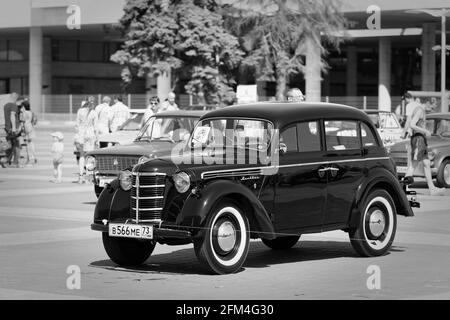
(125, 180)
(182, 181)
(143, 159)
(90, 163)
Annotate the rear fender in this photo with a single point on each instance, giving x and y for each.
(383, 179)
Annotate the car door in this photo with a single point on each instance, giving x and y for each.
(300, 192)
(345, 168)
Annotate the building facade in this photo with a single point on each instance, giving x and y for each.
(53, 47)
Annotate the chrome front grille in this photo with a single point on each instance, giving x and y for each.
(147, 196)
(111, 164)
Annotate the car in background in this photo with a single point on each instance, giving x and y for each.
(438, 150)
(126, 133)
(155, 138)
(387, 125)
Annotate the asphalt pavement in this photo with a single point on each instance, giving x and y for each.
(45, 239)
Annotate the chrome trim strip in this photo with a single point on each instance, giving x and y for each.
(137, 199)
(147, 198)
(152, 186)
(147, 209)
(265, 170)
(148, 174)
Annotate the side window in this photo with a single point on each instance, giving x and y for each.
(368, 138)
(308, 136)
(289, 138)
(342, 135)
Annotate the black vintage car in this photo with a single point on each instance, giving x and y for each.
(271, 171)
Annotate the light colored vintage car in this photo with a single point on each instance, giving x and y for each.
(438, 150)
(387, 125)
(126, 133)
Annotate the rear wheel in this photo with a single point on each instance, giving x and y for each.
(377, 225)
(225, 245)
(127, 252)
(443, 176)
(281, 243)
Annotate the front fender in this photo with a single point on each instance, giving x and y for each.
(384, 179)
(196, 208)
(113, 203)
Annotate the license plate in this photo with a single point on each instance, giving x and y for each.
(402, 169)
(131, 231)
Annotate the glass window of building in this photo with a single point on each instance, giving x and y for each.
(18, 50)
(91, 51)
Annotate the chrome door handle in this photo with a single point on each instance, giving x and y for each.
(333, 169)
(324, 170)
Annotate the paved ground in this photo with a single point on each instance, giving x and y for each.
(44, 229)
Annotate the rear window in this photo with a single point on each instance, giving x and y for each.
(342, 135)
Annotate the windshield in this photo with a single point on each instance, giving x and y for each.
(240, 133)
(132, 124)
(174, 129)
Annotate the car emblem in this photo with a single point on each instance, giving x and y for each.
(115, 163)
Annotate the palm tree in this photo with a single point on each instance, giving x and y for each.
(278, 34)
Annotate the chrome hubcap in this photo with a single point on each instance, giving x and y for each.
(447, 174)
(226, 236)
(377, 223)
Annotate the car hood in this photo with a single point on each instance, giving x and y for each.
(151, 149)
(121, 137)
(433, 142)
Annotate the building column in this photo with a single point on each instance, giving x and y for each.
(313, 75)
(384, 74)
(35, 68)
(428, 57)
(150, 86)
(163, 85)
(352, 71)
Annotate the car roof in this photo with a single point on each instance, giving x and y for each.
(282, 113)
(183, 113)
(439, 115)
(376, 111)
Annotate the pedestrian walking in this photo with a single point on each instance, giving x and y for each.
(57, 156)
(119, 114)
(29, 120)
(103, 112)
(13, 130)
(419, 150)
(86, 136)
(169, 104)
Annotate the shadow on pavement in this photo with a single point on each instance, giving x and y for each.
(185, 262)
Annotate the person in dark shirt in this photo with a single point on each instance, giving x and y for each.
(13, 129)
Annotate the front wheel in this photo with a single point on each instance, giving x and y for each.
(127, 252)
(443, 176)
(281, 243)
(377, 225)
(225, 244)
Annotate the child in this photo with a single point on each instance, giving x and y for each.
(57, 154)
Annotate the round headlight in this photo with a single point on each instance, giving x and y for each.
(90, 163)
(182, 182)
(125, 180)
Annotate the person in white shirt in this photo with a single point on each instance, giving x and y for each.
(169, 104)
(103, 111)
(118, 115)
(151, 109)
